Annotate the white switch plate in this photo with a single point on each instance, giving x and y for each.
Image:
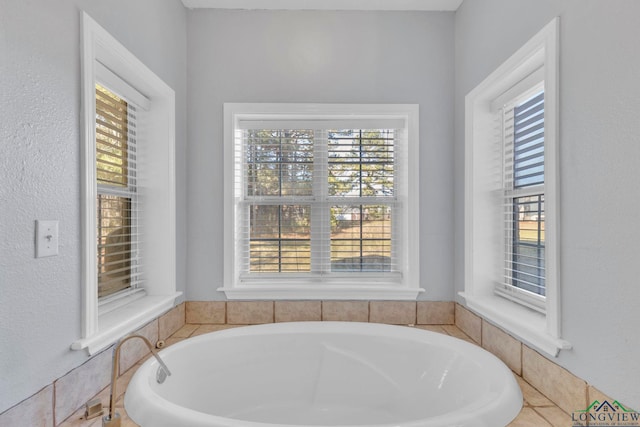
(46, 238)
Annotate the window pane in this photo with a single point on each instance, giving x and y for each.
(361, 238)
(361, 162)
(280, 238)
(279, 162)
(528, 162)
(114, 244)
(528, 244)
(111, 138)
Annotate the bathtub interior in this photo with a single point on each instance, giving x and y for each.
(345, 378)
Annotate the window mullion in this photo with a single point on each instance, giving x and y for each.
(320, 222)
(115, 191)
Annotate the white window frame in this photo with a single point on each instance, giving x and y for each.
(484, 231)
(104, 323)
(405, 286)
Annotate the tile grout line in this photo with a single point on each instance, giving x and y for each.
(53, 402)
(535, 409)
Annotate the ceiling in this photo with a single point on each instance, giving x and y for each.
(424, 5)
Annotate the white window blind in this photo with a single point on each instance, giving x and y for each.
(522, 123)
(118, 204)
(361, 172)
(528, 142)
(317, 202)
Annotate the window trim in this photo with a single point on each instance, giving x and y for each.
(104, 324)
(409, 286)
(540, 331)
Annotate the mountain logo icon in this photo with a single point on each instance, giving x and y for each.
(605, 406)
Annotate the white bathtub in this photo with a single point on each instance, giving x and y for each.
(324, 374)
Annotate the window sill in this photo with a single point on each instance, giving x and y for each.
(115, 324)
(324, 292)
(525, 324)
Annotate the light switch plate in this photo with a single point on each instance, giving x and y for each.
(46, 238)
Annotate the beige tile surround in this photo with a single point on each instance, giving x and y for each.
(58, 401)
(550, 392)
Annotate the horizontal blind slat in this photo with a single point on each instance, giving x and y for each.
(107, 138)
(118, 126)
(528, 161)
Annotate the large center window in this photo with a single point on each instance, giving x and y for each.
(320, 202)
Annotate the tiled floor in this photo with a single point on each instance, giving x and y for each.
(538, 411)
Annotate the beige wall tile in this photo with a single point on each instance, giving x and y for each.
(104, 396)
(77, 420)
(126, 421)
(297, 311)
(562, 387)
(133, 350)
(433, 328)
(454, 331)
(555, 416)
(205, 329)
(124, 379)
(469, 323)
(503, 345)
(171, 321)
(532, 397)
(392, 312)
(35, 411)
(435, 312)
(345, 311)
(249, 312)
(78, 386)
(529, 418)
(185, 331)
(213, 312)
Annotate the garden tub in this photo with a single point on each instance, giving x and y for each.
(324, 374)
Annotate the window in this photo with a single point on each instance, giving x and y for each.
(522, 139)
(281, 176)
(128, 201)
(511, 195)
(318, 202)
(117, 200)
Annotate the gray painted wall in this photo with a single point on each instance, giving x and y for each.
(40, 299)
(599, 154)
(331, 57)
